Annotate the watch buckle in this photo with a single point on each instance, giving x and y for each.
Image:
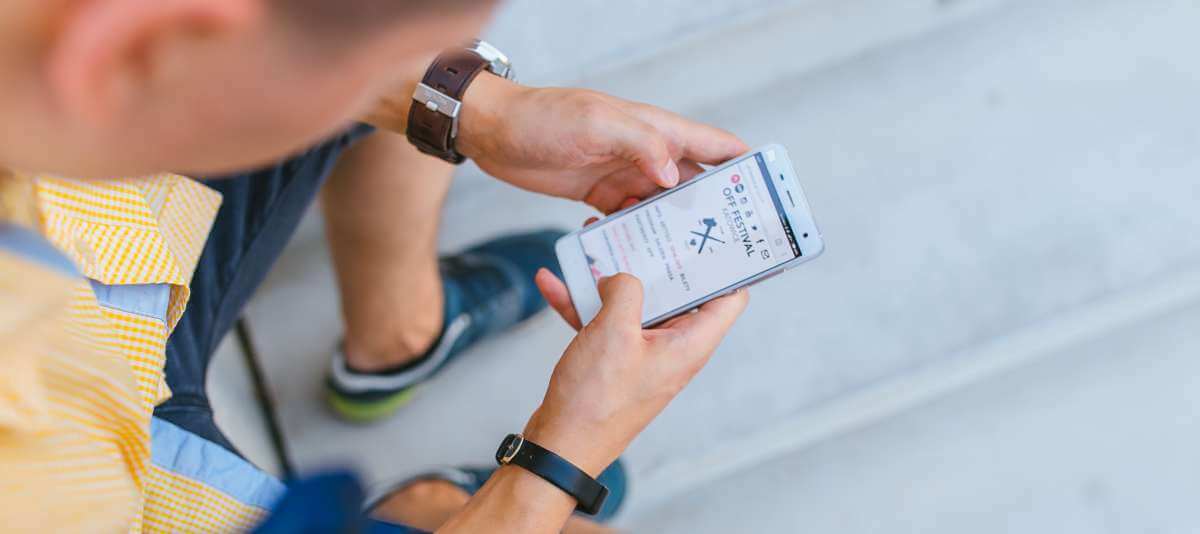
(513, 449)
(437, 101)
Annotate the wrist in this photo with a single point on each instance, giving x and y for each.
(514, 500)
(589, 450)
(481, 119)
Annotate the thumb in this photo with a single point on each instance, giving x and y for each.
(621, 298)
(646, 147)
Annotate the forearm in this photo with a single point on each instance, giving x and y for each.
(391, 111)
(513, 500)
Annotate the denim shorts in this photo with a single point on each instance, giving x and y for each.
(259, 212)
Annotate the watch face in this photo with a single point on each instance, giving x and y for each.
(498, 63)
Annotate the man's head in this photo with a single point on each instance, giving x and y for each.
(128, 87)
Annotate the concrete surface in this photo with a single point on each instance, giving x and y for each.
(725, 44)
(1100, 438)
(236, 407)
(994, 193)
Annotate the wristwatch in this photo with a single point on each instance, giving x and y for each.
(518, 451)
(437, 101)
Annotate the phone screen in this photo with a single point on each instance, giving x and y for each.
(701, 238)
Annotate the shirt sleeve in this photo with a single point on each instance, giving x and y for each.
(33, 303)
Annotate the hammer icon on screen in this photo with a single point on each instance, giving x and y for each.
(709, 223)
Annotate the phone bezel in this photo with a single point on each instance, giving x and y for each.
(578, 276)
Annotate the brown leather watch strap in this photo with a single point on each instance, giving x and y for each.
(432, 127)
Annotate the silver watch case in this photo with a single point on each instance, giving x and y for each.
(498, 62)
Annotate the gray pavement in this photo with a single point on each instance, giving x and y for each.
(1100, 438)
(1002, 195)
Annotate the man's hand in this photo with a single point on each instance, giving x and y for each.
(584, 145)
(616, 377)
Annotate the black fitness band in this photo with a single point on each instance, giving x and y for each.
(516, 450)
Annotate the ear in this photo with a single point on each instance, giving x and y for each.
(102, 50)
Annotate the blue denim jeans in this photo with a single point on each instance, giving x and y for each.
(259, 213)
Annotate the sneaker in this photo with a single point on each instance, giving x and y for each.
(488, 289)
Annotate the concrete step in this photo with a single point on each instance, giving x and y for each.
(992, 192)
(236, 407)
(685, 55)
(1098, 437)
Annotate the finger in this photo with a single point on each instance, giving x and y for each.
(670, 323)
(629, 203)
(611, 190)
(611, 193)
(621, 301)
(643, 145)
(590, 221)
(685, 317)
(556, 294)
(688, 169)
(711, 145)
(700, 142)
(707, 326)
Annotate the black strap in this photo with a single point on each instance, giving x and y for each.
(589, 493)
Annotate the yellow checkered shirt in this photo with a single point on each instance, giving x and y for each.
(81, 380)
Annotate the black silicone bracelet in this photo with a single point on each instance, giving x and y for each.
(516, 450)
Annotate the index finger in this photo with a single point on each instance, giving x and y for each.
(712, 145)
(698, 141)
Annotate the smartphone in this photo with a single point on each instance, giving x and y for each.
(732, 226)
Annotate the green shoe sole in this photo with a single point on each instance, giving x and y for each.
(362, 412)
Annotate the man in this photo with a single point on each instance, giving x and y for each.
(104, 424)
